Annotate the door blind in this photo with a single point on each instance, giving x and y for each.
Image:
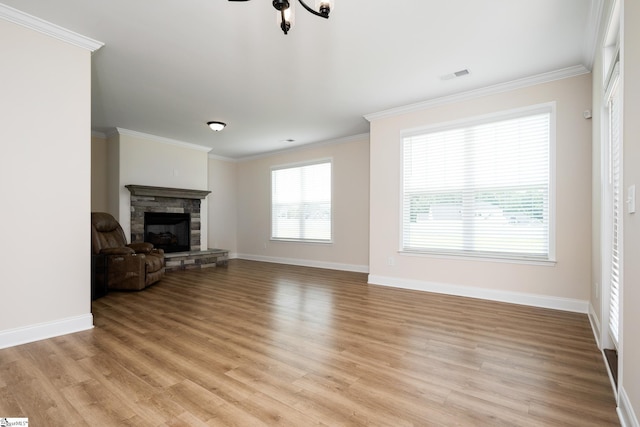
(615, 142)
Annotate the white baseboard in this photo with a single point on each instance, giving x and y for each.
(544, 301)
(31, 333)
(595, 324)
(306, 263)
(595, 328)
(625, 410)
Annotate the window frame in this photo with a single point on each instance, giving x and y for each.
(298, 165)
(614, 207)
(550, 259)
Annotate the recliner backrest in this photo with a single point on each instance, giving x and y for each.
(106, 232)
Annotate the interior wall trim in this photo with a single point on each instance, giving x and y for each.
(595, 325)
(534, 300)
(592, 35)
(304, 263)
(307, 146)
(40, 25)
(477, 93)
(625, 410)
(37, 332)
(155, 138)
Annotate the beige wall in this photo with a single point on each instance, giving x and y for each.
(349, 250)
(630, 372)
(564, 285)
(99, 176)
(223, 211)
(44, 186)
(154, 161)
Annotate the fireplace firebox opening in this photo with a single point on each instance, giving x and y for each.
(168, 231)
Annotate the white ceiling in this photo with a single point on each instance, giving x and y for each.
(169, 66)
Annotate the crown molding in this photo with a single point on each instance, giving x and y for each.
(96, 134)
(592, 35)
(18, 17)
(343, 140)
(225, 159)
(477, 93)
(161, 139)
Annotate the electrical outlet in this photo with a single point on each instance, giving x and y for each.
(391, 261)
(631, 199)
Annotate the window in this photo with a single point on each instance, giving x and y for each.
(612, 209)
(301, 202)
(481, 188)
(614, 116)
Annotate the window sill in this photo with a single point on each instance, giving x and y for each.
(481, 258)
(313, 242)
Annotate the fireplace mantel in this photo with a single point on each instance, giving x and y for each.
(178, 193)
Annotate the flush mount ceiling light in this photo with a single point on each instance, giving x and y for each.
(286, 11)
(216, 126)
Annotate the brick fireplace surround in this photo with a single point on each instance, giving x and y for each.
(174, 200)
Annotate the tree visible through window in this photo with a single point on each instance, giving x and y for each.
(301, 202)
(480, 188)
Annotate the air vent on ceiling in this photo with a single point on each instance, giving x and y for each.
(460, 73)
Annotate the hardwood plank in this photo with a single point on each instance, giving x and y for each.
(258, 344)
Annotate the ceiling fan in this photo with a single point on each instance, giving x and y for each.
(285, 11)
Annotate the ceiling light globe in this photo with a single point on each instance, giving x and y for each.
(280, 4)
(216, 126)
(324, 6)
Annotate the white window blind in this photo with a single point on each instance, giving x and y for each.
(481, 189)
(301, 202)
(615, 147)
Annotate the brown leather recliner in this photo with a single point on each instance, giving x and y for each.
(129, 266)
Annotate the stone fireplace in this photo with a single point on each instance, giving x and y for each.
(146, 199)
(174, 204)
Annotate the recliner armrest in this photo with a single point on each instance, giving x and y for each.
(117, 251)
(158, 252)
(141, 248)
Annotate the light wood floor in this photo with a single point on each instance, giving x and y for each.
(259, 344)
